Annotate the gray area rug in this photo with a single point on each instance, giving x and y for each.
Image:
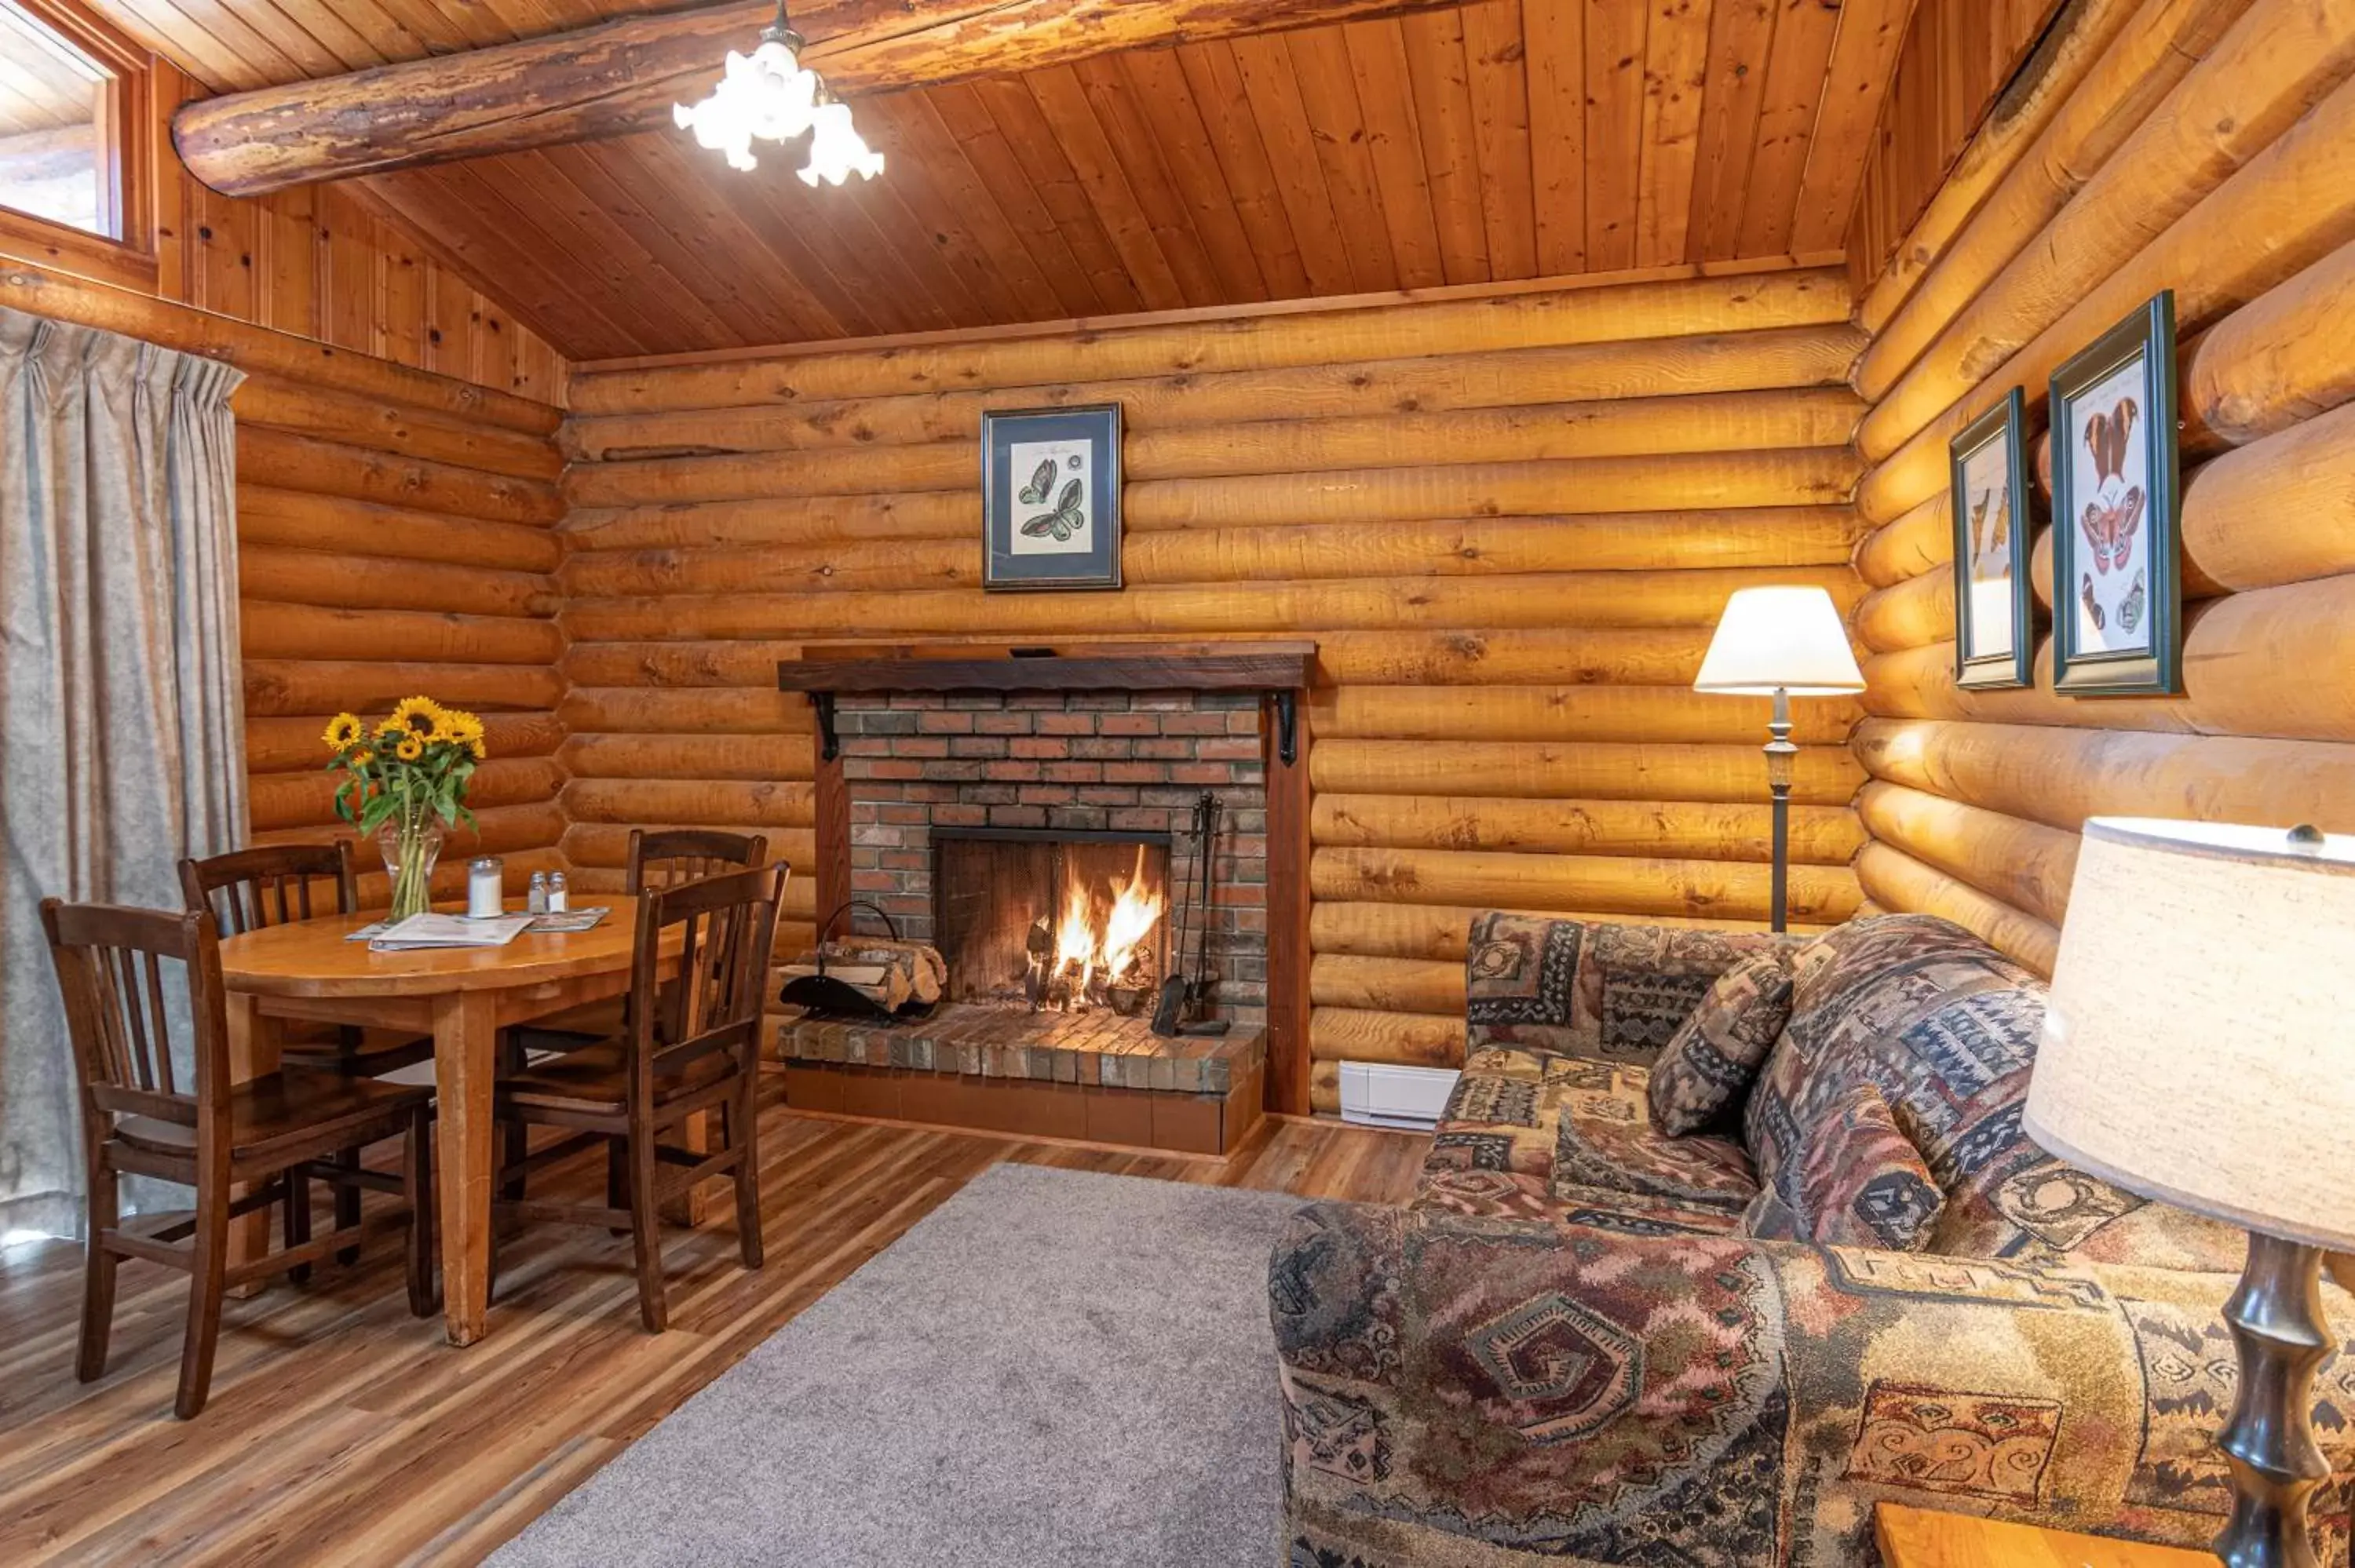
(1052, 1368)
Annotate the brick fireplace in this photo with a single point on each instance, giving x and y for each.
(976, 792)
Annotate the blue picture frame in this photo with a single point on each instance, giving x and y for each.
(1050, 510)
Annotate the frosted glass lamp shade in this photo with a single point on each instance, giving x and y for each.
(2199, 1045)
(1790, 638)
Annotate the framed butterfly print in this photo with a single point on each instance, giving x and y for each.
(2117, 586)
(1050, 508)
(1989, 482)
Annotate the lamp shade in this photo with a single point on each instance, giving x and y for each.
(1790, 638)
(2200, 1046)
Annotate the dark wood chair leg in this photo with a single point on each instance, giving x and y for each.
(298, 1219)
(743, 1138)
(347, 1205)
(617, 1176)
(210, 1255)
(645, 1230)
(514, 1138)
(98, 1278)
(417, 1188)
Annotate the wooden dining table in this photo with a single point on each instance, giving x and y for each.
(310, 971)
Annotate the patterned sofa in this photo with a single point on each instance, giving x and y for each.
(1576, 1344)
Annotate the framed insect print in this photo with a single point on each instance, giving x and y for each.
(2118, 588)
(1051, 486)
(1988, 465)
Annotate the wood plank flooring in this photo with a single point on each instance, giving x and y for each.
(343, 1431)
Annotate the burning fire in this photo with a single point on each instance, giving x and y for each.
(1088, 964)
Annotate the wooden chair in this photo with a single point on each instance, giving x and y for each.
(693, 1045)
(142, 1115)
(667, 857)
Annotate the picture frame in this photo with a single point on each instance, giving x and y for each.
(2117, 579)
(1051, 498)
(1995, 644)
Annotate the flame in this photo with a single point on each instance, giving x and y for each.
(1136, 911)
(1089, 956)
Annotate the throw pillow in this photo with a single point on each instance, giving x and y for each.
(1704, 1071)
(1858, 1183)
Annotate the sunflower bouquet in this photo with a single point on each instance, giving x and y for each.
(404, 781)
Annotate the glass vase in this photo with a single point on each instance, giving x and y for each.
(411, 847)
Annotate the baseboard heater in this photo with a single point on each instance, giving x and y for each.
(1380, 1094)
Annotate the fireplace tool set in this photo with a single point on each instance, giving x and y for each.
(1186, 994)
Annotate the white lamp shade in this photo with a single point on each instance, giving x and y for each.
(1787, 638)
(2200, 1047)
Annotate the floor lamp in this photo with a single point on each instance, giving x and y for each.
(1780, 643)
(2196, 1051)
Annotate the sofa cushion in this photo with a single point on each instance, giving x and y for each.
(1704, 1072)
(1859, 1183)
(1601, 990)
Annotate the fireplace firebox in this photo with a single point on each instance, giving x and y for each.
(1053, 921)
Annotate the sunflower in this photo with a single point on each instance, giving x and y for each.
(460, 727)
(408, 748)
(343, 730)
(421, 717)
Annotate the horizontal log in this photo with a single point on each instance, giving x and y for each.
(1759, 537)
(1443, 932)
(276, 800)
(1821, 774)
(380, 426)
(1901, 884)
(696, 524)
(1589, 598)
(1582, 713)
(259, 351)
(377, 582)
(746, 756)
(607, 710)
(298, 744)
(2287, 207)
(2281, 509)
(2235, 98)
(290, 686)
(1716, 362)
(274, 630)
(2060, 776)
(1991, 256)
(1325, 1089)
(607, 846)
(1387, 985)
(1625, 884)
(2025, 865)
(1356, 1035)
(301, 519)
(1821, 835)
(695, 802)
(532, 828)
(1112, 352)
(2277, 360)
(622, 75)
(678, 665)
(1922, 539)
(275, 457)
(1910, 614)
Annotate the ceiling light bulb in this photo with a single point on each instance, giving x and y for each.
(837, 150)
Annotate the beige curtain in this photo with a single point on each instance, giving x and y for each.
(122, 717)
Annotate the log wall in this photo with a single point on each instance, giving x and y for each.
(1509, 520)
(2209, 147)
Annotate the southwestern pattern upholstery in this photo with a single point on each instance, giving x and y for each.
(1567, 1349)
(1704, 1074)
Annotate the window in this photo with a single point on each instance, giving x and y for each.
(61, 123)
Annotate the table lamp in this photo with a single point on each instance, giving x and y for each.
(1780, 643)
(2197, 1051)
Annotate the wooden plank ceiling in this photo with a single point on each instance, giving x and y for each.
(1499, 140)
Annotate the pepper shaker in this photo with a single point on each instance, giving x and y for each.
(559, 894)
(536, 901)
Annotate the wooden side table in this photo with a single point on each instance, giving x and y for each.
(1920, 1537)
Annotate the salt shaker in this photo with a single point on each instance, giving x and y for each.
(536, 902)
(486, 887)
(559, 894)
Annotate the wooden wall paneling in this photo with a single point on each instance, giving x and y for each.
(1441, 77)
(1676, 75)
(1385, 92)
(1272, 92)
(1016, 116)
(1553, 39)
(1158, 93)
(1615, 37)
(1495, 56)
(1797, 66)
(1741, 44)
(1062, 102)
(1320, 62)
(1103, 86)
(968, 121)
(929, 144)
(1863, 58)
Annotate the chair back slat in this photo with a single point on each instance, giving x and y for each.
(727, 925)
(665, 858)
(114, 968)
(249, 889)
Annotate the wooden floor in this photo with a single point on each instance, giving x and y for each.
(343, 1431)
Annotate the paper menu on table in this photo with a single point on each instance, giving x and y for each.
(423, 931)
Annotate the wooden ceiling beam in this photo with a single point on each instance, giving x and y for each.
(623, 76)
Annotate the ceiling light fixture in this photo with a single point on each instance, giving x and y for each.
(769, 95)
